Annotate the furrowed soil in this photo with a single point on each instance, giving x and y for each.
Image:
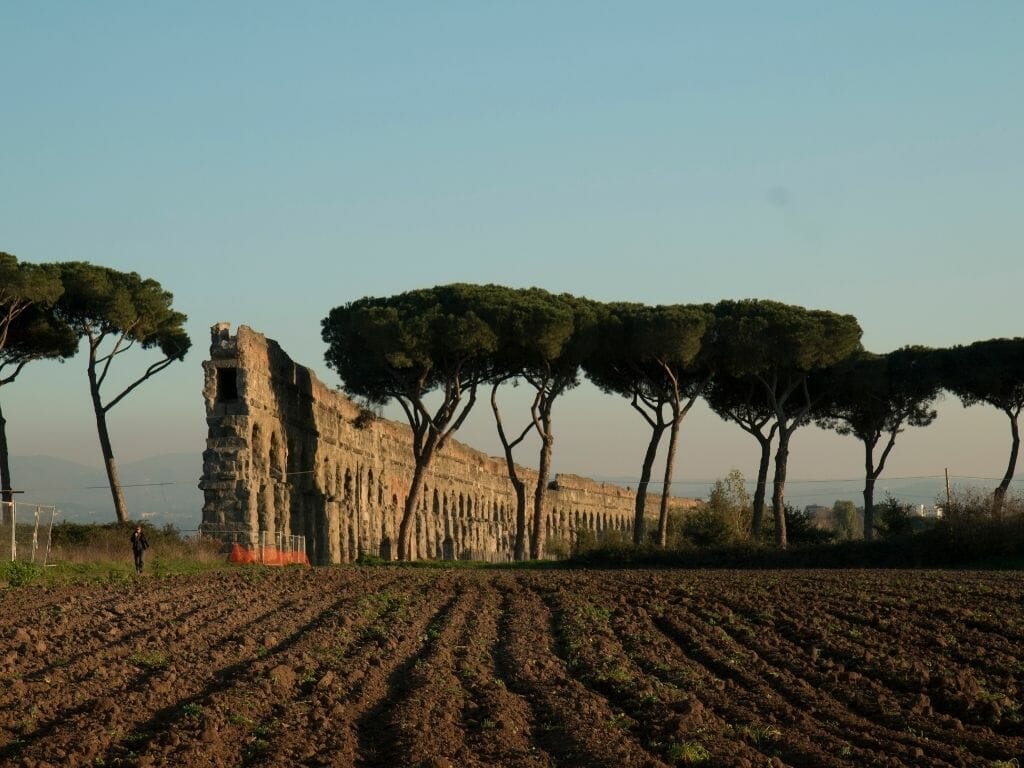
(429, 667)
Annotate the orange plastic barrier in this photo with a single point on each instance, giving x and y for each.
(271, 556)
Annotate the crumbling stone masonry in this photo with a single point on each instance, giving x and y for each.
(287, 454)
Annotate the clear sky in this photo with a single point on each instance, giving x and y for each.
(268, 161)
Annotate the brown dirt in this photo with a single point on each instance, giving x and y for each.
(414, 667)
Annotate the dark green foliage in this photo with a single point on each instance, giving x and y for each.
(987, 372)
(27, 328)
(801, 529)
(986, 543)
(542, 340)
(19, 574)
(35, 334)
(102, 303)
(113, 312)
(893, 518)
(28, 331)
(882, 394)
(990, 372)
(764, 338)
(779, 346)
(642, 348)
(655, 357)
(707, 527)
(23, 285)
(875, 398)
(406, 347)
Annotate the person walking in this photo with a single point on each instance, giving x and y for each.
(139, 545)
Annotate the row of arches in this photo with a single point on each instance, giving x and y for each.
(347, 508)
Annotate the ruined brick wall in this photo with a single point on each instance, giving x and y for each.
(287, 454)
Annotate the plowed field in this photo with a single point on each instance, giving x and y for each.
(416, 667)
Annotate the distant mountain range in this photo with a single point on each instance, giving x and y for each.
(160, 489)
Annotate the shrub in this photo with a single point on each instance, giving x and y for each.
(893, 518)
(19, 574)
(707, 527)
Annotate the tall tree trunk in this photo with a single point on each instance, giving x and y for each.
(760, 490)
(411, 503)
(547, 440)
(520, 546)
(1000, 493)
(519, 551)
(5, 473)
(639, 529)
(109, 464)
(869, 507)
(779, 489)
(871, 474)
(666, 487)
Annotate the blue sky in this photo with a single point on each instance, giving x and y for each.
(266, 162)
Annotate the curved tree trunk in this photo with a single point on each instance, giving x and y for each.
(666, 487)
(999, 494)
(547, 441)
(109, 463)
(779, 489)
(871, 474)
(645, 479)
(520, 545)
(411, 503)
(760, 490)
(519, 550)
(5, 473)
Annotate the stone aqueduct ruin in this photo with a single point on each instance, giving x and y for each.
(287, 454)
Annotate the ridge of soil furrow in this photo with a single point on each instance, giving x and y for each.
(578, 727)
(792, 687)
(664, 715)
(753, 716)
(974, 647)
(705, 705)
(420, 717)
(122, 619)
(110, 672)
(163, 683)
(373, 735)
(437, 668)
(804, 735)
(498, 723)
(353, 669)
(939, 704)
(235, 718)
(796, 704)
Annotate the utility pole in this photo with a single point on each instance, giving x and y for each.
(947, 489)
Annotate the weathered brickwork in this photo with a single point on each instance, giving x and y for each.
(287, 454)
